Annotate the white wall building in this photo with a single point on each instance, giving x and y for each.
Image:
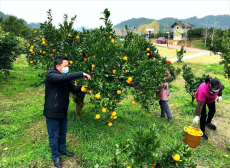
(180, 27)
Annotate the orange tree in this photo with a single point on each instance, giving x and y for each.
(142, 151)
(222, 45)
(114, 66)
(9, 51)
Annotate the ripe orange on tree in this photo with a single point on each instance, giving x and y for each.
(129, 82)
(98, 95)
(125, 58)
(97, 116)
(112, 40)
(176, 157)
(71, 62)
(133, 102)
(69, 35)
(114, 113)
(93, 66)
(43, 42)
(51, 54)
(83, 89)
(104, 110)
(77, 37)
(85, 59)
(114, 71)
(147, 49)
(130, 79)
(44, 52)
(90, 92)
(118, 91)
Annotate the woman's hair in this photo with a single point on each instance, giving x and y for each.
(215, 83)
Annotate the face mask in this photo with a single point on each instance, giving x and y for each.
(215, 90)
(65, 70)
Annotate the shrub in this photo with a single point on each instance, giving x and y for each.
(222, 45)
(142, 152)
(191, 82)
(180, 54)
(9, 51)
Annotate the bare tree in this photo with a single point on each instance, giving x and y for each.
(213, 32)
(205, 35)
(185, 33)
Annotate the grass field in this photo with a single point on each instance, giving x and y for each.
(24, 139)
(171, 52)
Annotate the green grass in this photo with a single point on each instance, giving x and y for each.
(171, 52)
(24, 139)
(200, 44)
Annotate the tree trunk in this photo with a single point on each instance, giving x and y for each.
(79, 101)
(193, 98)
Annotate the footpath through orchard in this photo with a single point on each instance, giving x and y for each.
(200, 52)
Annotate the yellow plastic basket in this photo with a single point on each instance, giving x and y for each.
(192, 140)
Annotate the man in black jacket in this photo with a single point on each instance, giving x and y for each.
(58, 85)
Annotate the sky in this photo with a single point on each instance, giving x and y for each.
(89, 12)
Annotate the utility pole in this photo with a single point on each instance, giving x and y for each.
(168, 39)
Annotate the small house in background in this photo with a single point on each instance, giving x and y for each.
(179, 30)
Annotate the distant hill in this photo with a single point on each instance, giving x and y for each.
(30, 25)
(222, 22)
(80, 28)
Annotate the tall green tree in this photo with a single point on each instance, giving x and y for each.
(222, 45)
(9, 51)
(14, 25)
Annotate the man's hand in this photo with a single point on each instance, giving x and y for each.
(196, 119)
(219, 98)
(86, 76)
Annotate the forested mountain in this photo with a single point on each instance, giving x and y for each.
(30, 25)
(220, 21)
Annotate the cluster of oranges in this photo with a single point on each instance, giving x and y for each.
(193, 131)
(129, 80)
(31, 49)
(112, 116)
(44, 41)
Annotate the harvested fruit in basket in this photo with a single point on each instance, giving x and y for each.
(193, 131)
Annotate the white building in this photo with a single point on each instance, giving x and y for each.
(180, 27)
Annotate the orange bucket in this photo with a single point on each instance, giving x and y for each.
(192, 140)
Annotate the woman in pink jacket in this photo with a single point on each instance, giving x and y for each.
(207, 94)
